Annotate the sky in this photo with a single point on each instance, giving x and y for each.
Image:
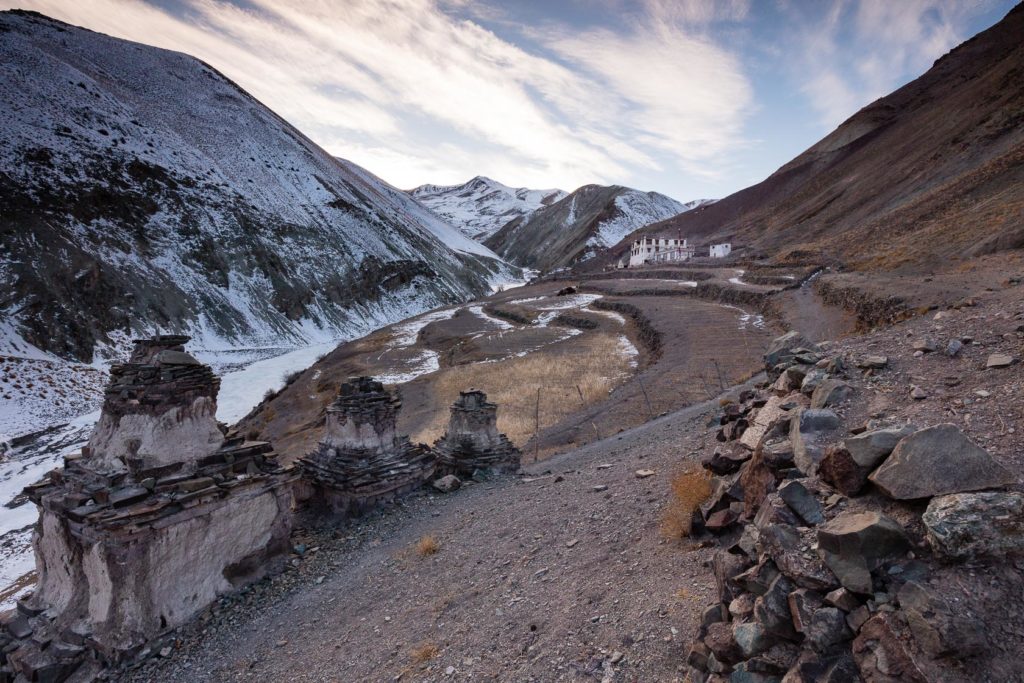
(691, 98)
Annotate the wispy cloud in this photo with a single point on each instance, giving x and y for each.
(858, 50)
(369, 77)
(660, 94)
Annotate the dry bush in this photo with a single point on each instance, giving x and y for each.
(596, 365)
(424, 652)
(426, 546)
(690, 488)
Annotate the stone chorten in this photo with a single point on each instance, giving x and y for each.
(362, 461)
(160, 514)
(472, 441)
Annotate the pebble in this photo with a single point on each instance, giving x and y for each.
(600, 487)
(643, 474)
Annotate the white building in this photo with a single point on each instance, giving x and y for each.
(721, 250)
(658, 249)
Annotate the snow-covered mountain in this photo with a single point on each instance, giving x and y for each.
(480, 207)
(581, 224)
(142, 191)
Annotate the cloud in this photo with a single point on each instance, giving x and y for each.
(859, 50)
(392, 83)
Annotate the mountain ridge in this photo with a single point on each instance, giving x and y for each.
(481, 206)
(580, 225)
(124, 216)
(930, 172)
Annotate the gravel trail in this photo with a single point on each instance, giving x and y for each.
(545, 577)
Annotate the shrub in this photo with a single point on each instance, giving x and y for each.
(424, 652)
(689, 488)
(427, 545)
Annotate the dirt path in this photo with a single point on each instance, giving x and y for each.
(546, 577)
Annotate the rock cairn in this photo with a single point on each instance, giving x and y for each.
(362, 462)
(163, 512)
(472, 442)
(816, 580)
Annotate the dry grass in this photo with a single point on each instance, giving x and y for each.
(428, 545)
(596, 366)
(690, 488)
(424, 652)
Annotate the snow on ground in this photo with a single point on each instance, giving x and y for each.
(736, 280)
(747, 319)
(36, 394)
(242, 390)
(627, 349)
(482, 206)
(404, 335)
(502, 324)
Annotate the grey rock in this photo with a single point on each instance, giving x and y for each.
(870, 448)
(827, 628)
(726, 566)
(999, 360)
(751, 638)
(170, 357)
(881, 654)
(774, 510)
(803, 603)
(792, 552)
(873, 362)
(853, 544)
(970, 525)
(937, 461)
(954, 347)
(831, 392)
(812, 667)
(447, 483)
(812, 380)
(722, 643)
(808, 433)
(784, 348)
(925, 345)
(940, 628)
(757, 579)
(843, 599)
(771, 610)
(802, 501)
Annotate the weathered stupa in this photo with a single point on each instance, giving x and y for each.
(362, 462)
(472, 441)
(161, 513)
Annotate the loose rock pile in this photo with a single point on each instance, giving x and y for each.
(816, 579)
(161, 513)
(362, 462)
(472, 442)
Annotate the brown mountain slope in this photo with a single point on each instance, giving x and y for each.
(933, 171)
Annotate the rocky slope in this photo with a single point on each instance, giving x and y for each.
(480, 207)
(141, 190)
(580, 225)
(933, 171)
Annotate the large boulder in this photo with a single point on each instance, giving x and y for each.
(809, 433)
(853, 544)
(831, 392)
(969, 525)
(870, 448)
(785, 348)
(936, 461)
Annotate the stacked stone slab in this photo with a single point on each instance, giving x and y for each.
(362, 462)
(472, 441)
(159, 515)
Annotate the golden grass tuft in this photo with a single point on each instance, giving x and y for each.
(424, 652)
(596, 365)
(428, 545)
(690, 487)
